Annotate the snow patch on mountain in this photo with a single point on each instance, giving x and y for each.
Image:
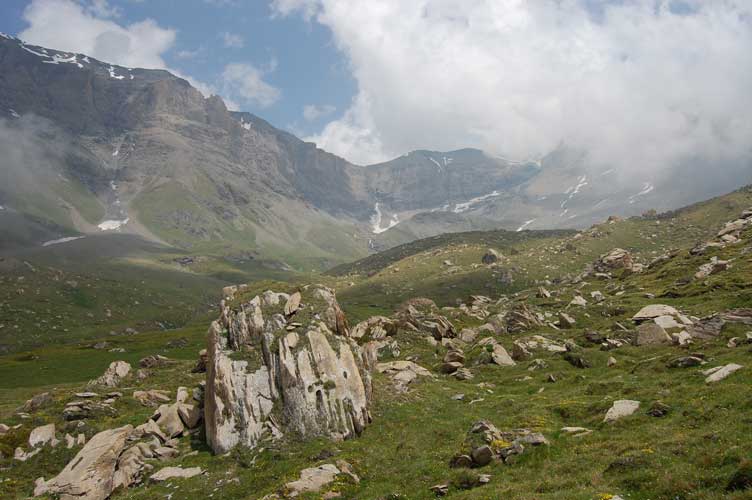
(646, 188)
(111, 225)
(376, 220)
(525, 224)
(111, 69)
(573, 190)
(466, 205)
(61, 240)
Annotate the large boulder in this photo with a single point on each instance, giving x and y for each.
(91, 473)
(273, 363)
(651, 334)
(613, 260)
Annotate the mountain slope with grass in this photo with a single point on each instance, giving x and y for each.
(612, 362)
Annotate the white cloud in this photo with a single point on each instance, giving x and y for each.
(232, 40)
(66, 25)
(140, 44)
(245, 82)
(189, 54)
(313, 112)
(639, 84)
(102, 8)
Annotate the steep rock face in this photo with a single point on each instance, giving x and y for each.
(278, 363)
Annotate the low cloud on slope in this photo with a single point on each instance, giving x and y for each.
(639, 84)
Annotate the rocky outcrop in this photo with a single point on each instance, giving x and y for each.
(284, 362)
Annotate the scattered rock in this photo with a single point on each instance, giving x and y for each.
(312, 480)
(490, 257)
(114, 374)
(713, 267)
(576, 431)
(37, 402)
(565, 320)
(576, 360)
(651, 334)
(91, 473)
(578, 300)
(685, 362)
(720, 373)
(521, 318)
(44, 435)
(152, 397)
(201, 363)
(611, 361)
(621, 408)
(154, 361)
(659, 409)
(168, 473)
(653, 311)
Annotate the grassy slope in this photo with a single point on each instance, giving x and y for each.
(689, 454)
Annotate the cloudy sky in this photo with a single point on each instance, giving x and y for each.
(639, 84)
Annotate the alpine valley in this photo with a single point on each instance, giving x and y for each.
(196, 304)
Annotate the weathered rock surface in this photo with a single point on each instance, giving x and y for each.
(44, 435)
(175, 473)
(301, 366)
(653, 311)
(114, 374)
(620, 409)
(720, 373)
(374, 328)
(312, 480)
(91, 474)
(651, 334)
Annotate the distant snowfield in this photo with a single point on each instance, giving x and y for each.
(466, 205)
(527, 223)
(376, 221)
(111, 225)
(646, 188)
(61, 240)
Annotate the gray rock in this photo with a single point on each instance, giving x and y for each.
(90, 474)
(320, 390)
(482, 455)
(722, 372)
(44, 435)
(114, 374)
(312, 480)
(651, 334)
(620, 409)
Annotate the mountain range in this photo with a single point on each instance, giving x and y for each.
(91, 147)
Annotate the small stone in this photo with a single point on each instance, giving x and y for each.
(440, 489)
(463, 374)
(611, 361)
(658, 409)
(621, 408)
(722, 373)
(685, 362)
(566, 321)
(167, 473)
(482, 455)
